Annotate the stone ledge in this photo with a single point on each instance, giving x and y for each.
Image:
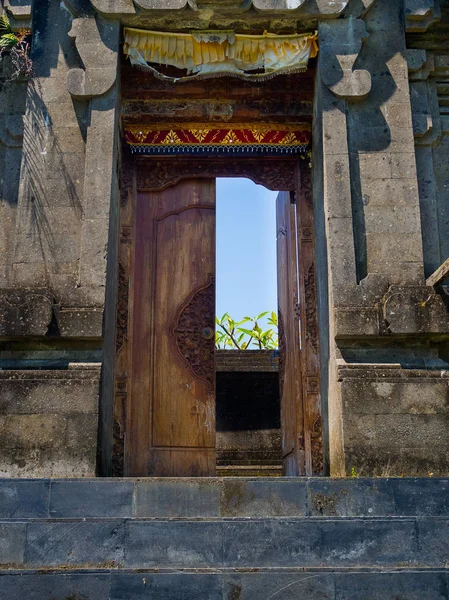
(403, 310)
(222, 497)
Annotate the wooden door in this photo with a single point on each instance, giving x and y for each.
(310, 345)
(171, 409)
(292, 425)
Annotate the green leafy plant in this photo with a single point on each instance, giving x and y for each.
(16, 44)
(247, 333)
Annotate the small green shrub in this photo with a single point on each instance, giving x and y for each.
(247, 333)
(16, 44)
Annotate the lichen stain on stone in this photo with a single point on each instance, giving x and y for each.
(235, 593)
(234, 496)
(325, 504)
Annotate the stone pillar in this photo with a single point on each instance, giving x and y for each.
(65, 238)
(371, 257)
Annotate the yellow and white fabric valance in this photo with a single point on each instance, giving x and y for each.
(215, 53)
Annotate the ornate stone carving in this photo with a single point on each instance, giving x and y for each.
(298, 8)
(277, 175)
(122, 307)
(194, 333)
(317, 447)
(340, 44)
(97, 45)
(311, 312)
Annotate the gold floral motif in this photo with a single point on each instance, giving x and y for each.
(230, 138)
(172, 138)
(200, 134)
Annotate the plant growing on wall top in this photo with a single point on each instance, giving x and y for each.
(16, 45)
(247, 333)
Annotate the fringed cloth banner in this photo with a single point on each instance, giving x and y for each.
(215, 53)
(220, 138)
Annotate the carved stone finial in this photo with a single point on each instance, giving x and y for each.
(97, 47)
(340, 44)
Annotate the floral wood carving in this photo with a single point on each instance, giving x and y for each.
(126, 177)
(122, 307)
(311, 314)
(282, 350)
(317, 447)
(194, 333)
(276, 175)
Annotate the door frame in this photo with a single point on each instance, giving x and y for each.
(285, 173)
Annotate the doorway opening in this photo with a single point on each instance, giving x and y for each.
(248, 421)
(167, 364)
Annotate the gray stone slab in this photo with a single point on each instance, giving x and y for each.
(55, 586)
(425, 496)
(75, 543)
(350, 497)
(279, 586)
(91, 498)
(166, 544)
(365, 543)
(271, 543)
(23, 498)
(12, 544)
(264, 497)
(391, 586)
(177, 586)
(180, 498)
(433, 539)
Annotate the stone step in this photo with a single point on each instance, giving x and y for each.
(224, 539)
(266, 543)
(271, 585)
(239, 470)
(223, 497)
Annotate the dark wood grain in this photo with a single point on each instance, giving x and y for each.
(171, 409)
(290, 361)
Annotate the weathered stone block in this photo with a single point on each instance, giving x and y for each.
(389, 586)
(58, 586)
(25, 312)
(91, 499)
(415, 309)
(286, 586)
(24, 499)
(271, 543)
(252, 498)
(82, 544)
(395, 420)
(32, 431)
(169, 586)
(181, 498)
(12, 544)
(174, 544)
(48, 421)
(356, 498)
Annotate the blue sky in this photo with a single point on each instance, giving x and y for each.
(246, 248)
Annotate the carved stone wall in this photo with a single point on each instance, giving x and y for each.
(374, 304)
(381, 207)
(58, 217)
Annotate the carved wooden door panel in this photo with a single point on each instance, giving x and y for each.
(310, 357)
(171, 408)
(292, 427)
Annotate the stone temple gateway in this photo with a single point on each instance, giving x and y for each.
(108, 161)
